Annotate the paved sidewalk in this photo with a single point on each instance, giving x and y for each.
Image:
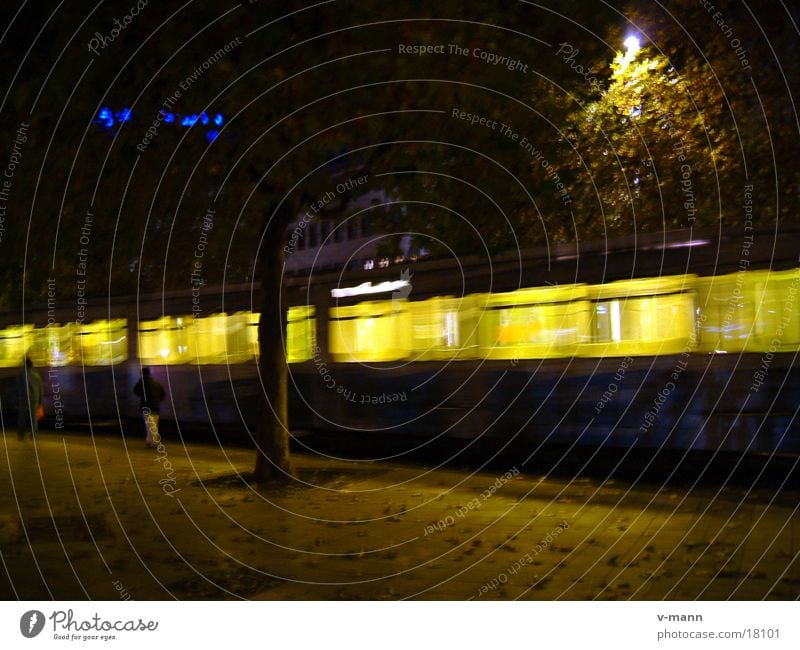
(106, 518)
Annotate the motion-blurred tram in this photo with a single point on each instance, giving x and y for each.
(660, 341)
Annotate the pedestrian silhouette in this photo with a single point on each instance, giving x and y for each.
(29, 398)
(150, 394)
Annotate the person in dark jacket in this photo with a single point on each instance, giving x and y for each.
(150, 394)
(29, 397)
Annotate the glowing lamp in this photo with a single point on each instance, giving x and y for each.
(632, 45)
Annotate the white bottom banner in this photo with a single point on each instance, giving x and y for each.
(357, 625)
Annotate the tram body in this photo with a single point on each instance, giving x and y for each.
(679, 346)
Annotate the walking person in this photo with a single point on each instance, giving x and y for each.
(29, 398)
(150, 394)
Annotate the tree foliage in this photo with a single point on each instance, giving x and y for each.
(703, 111)
(644, 157)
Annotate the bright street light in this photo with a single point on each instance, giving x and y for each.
(633, 45)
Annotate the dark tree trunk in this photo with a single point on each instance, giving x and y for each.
(272, 432)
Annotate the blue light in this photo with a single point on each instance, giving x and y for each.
(105, 117)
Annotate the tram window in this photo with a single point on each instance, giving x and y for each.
(535, 323)
(237, 335)
(101, 343)
(14, 344)
(207, 339)
(52, 345)
(642, 317)
(97, 343)
(242, 335)
(434, 327)
(444, 328)
(601, 321)
(163, 341)
(342, 339)
(213, 339)
(251, 323)
(370, 331)
(300, 334)
(777, 322)
(152, 341)
(725, 312)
